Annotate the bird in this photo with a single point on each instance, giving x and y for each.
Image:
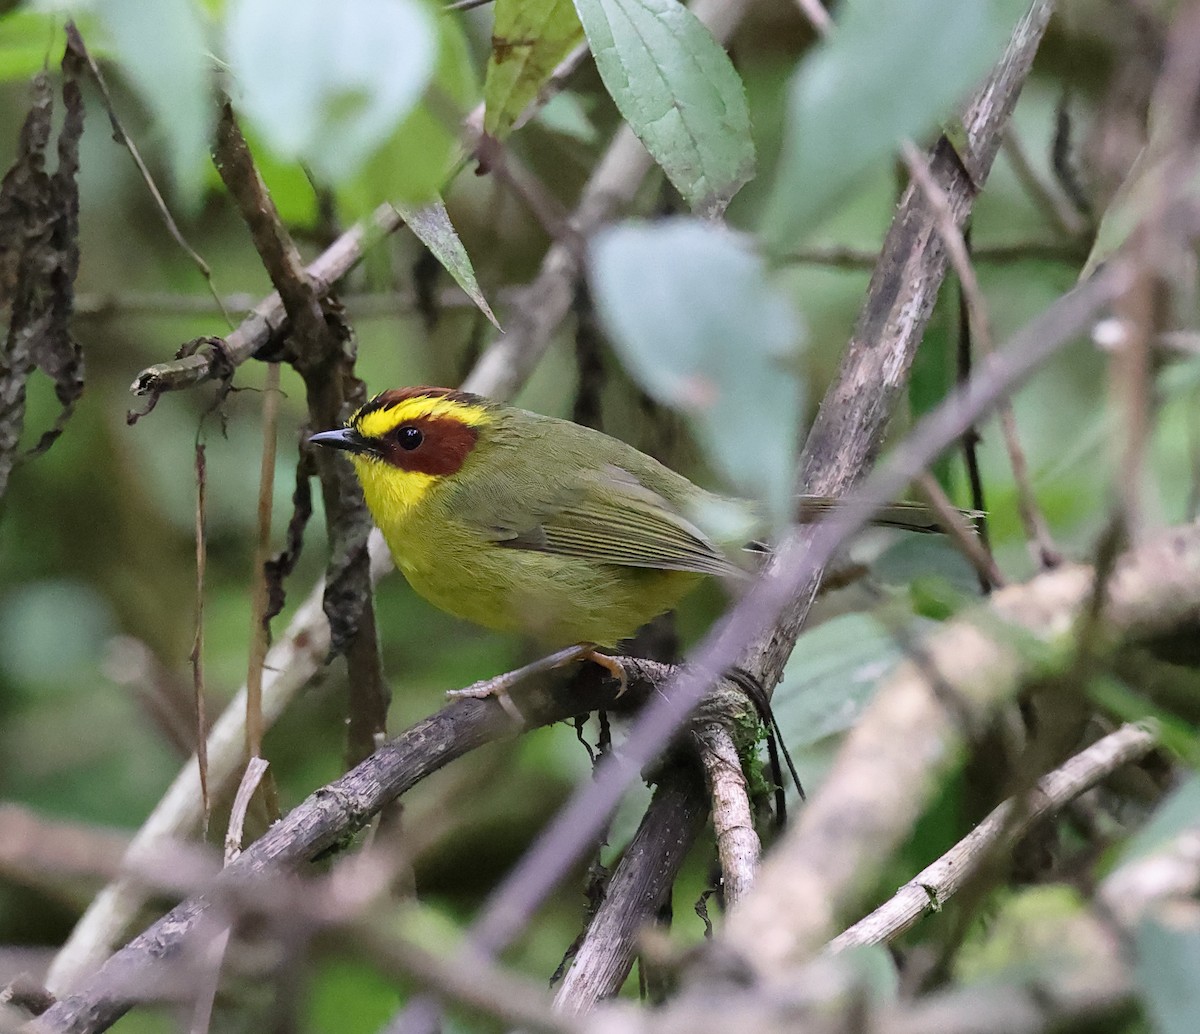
(536, 525)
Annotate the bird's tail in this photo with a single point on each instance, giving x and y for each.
(908, 516)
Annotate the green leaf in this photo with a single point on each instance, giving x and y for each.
(696, 320)
(679, 92)
(832, 674)
(529, 39)
(411, 166)
(830, 679)
(433, 228)
(162, 50)
(873, 83)
(327, 84)
(1168, 967)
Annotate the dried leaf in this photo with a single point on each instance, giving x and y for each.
(39, 260)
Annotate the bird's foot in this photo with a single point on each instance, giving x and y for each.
(610, 664)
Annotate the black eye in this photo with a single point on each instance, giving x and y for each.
(409, 437)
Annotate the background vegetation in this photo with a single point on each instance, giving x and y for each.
(346, 109)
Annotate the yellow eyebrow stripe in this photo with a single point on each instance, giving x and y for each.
(377, 423)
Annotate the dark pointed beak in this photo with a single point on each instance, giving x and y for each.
(345, 438)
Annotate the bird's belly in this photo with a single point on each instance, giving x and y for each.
(555, 599)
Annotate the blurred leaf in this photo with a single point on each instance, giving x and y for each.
(874, 972)
(28, 42)
(1168, 967)
(871, 84)
(433, 228)
(566, 115)
(698, 323)
(832, 675)
(1180, 811)
(679, 92)
(162, 50)
(327, 84)
(52, 631)
(413, 163)
(928, 558)
(529, 39)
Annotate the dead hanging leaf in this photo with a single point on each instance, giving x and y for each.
(284, 562)
(39, 260)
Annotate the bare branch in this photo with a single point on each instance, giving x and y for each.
(635, 892)
(928, 891)
(214, 357)
(738, 846)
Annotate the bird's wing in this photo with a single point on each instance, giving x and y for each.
(612, 518)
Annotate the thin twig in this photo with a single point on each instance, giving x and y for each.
(964, 358)
(959, 531)
(816, 15)
(262, 552)
(929, 890)
(197, 654)
(212, 955)
(845, 257)
(398, 302)
(1037, 531)
(1054, 207)
(75, 41)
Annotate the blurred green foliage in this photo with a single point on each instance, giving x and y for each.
(96, 536)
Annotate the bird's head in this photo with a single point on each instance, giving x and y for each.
(406, 440)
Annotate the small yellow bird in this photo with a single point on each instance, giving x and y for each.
(526, 523)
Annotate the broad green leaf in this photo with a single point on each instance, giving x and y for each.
(873, 83)
(829, 680)
(832, 675)
(412, 164)
(327, 84)
(433, 228)
(912, 558)
(529, 39)
(697, 321)
(679, 92)
(1168, 967)
(162, 50)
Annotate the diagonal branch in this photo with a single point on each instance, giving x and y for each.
(928, 891)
